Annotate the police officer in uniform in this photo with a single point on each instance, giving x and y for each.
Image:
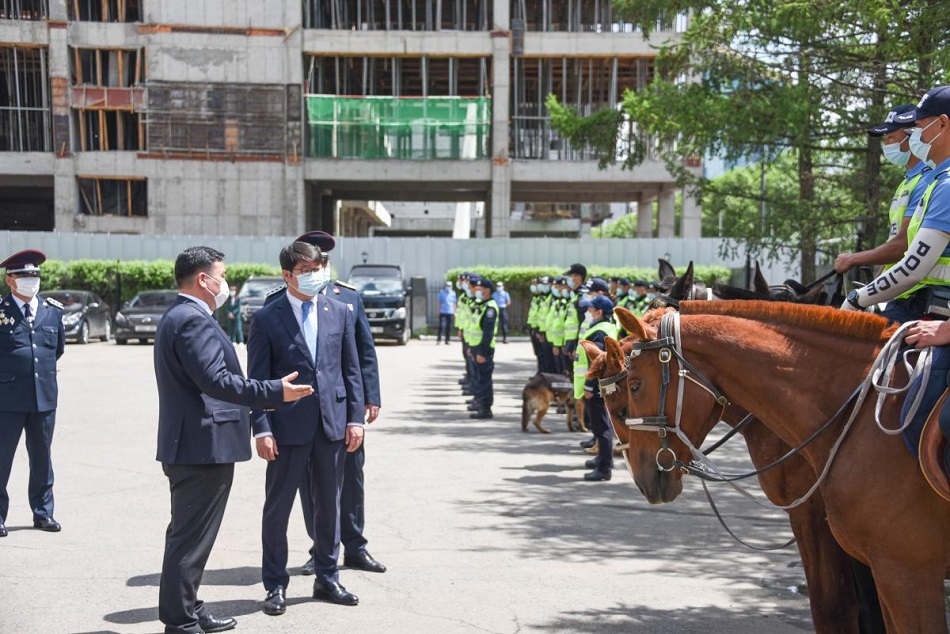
(463, 324)
(352, 498)
(531, 322)
(32, 339)
(600, 309)
(482, 349)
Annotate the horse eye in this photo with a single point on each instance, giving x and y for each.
(635, 387)
(621, 413)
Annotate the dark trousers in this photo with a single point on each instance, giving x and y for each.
(323, 459)
(352, 509)
(445, 326)
(236, 330)
(547, 356)
(906, 309)
(470, 373)
(199, 496)
(39, 436)
(535, 345)
(598, 421)
(503, 313)
(485, 395)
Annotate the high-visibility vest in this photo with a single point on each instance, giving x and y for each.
(556, 323)
(939, 275)
(543, 308)
(581, 365)
(533, 311)
(571, 324)
(898, 207)
(473, 336)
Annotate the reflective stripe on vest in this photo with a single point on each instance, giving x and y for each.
(939, 275)
(899, 207)
(581, 364)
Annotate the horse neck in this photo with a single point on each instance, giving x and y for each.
(791, 379)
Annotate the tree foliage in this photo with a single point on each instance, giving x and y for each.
(788, 82)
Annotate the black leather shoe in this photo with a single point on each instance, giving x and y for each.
(481, 415)
(592, 463)
(209, 624)
(472, 407)
(275, 604)
(3, 530)
(363, 561)
(463, 381)
(587, 444)
(47, 524)
(597, 476)
(309, 568)
(334, 593)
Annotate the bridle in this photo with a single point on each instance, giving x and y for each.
(668, 345)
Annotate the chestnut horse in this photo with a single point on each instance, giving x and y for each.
(792, 367)
(831, 595)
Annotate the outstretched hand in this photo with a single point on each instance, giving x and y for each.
(294, 392)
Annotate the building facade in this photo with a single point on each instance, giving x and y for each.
(271, 117)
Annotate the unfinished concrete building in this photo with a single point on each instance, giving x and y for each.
(263, 117)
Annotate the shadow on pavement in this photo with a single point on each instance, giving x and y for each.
(242, 576)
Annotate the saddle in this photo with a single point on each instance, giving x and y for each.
(934, 450)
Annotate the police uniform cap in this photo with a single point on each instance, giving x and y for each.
(641, 283)
(560, 280)
(891, 121)
(624, 281)
(544, 279)
(483, 282)
(24, 262)
(933, 104)
(599, 284)
(320, 239)
(600, 302)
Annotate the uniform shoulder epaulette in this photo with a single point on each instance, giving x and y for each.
(345, 285)
(53, 302)
(279, 289)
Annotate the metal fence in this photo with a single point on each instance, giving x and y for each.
(424, 257)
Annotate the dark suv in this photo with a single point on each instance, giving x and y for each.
(383, 290)
(253, 294)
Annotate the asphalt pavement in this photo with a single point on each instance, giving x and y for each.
(484, 528)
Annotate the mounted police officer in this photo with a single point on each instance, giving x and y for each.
(352, 505)
(482, 345)
(32, 339)
(600, 310)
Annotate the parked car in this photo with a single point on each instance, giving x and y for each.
(139, 316)
(383, 289)
(85, 315)
(253, 293)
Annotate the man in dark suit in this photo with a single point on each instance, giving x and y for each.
(32, 339)
(307, 332)
(203, 429)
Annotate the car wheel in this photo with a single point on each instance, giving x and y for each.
(121, 342)
(83, 336)
(108, 335)
(404, 339)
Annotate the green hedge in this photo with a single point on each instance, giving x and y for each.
(517, 280)
(103, 277)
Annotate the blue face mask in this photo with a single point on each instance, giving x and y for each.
(918, 147)
(544, 288)
(621, 292)
(311, 283)
(534, 288)
(894, 154)
(469, 292)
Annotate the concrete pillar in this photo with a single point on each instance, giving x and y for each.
(667, 214)
(645, 217)
(585, 228)
(691, 222)
(498, 210)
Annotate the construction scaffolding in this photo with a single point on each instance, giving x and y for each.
(398, 128)
(104, 10)
(591, 16)
(403, 15)
(399, 76)
(24, 9)
(209, 120)
(586, 84)
(24, 100)
(113, 196)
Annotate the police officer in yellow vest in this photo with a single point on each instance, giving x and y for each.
(896, 149)
(544, 308)
(481, 340)
(531, 322)
(924, 272)
(556, 321)
(598, 317)
(463, 319)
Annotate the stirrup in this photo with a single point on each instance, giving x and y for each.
(935, 452)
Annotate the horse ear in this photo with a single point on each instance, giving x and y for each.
(666, 269)
(614, 352)
(684, 285)
(760, 285)
(593, 352)
(631, 323)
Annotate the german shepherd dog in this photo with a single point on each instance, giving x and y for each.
(537, 395)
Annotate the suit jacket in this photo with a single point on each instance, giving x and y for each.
(277, 347)
(203, 397)
(28, 356)
(365, 347)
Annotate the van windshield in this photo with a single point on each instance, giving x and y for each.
(377, 285)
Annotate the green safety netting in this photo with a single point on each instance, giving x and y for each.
(398, 127)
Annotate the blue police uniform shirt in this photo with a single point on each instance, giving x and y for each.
(447, 301)
(915, 196)
(938, 208)
(28, 355)
(502, 298)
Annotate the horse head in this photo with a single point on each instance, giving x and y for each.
(673, 289)
(790, 291)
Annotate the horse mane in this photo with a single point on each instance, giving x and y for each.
(857, 325)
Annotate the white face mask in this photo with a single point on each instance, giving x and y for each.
(222, 295)
(28, 286)
(894, 154)
(588, 318)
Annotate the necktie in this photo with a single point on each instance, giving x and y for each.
(309, 332)
(28, 313)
